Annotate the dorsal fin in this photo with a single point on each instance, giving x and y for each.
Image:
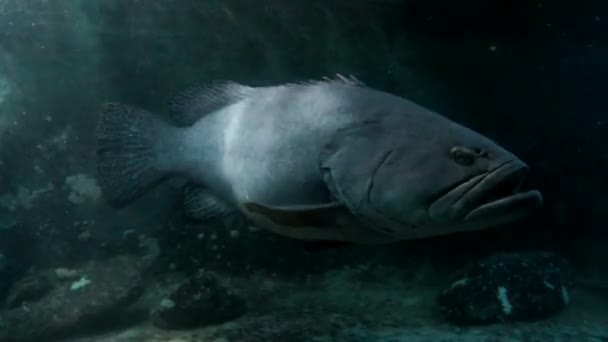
(191, 104)
(349, 80)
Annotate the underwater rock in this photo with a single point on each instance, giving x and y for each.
(507, 288)
(29, 289)
(103, 290)
(201, 300)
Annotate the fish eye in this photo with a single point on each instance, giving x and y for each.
(463, 155)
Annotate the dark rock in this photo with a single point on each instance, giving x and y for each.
(29, 289)
(508, 288)
(201, 300)
(100, 294)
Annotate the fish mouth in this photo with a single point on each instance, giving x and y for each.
(494, 197)
(500, 193)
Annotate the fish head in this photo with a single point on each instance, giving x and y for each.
(437, 179)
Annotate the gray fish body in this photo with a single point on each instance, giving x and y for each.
(266, 147)
(330, 160)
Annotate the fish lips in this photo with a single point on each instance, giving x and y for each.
(493, 197)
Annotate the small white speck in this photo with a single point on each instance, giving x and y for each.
(502, 296)
(82, 282)
(460, 282)
(549, 285)
(167, 303)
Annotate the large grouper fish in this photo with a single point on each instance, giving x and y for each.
(327, 160)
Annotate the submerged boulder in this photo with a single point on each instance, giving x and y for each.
(102, 289)
(201, 300)
(508, 288)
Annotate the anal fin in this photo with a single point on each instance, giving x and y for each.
(201, 205)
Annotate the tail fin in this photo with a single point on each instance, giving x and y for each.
(127, 156)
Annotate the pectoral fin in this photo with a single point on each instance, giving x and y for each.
(327, 225)
(300, 216)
